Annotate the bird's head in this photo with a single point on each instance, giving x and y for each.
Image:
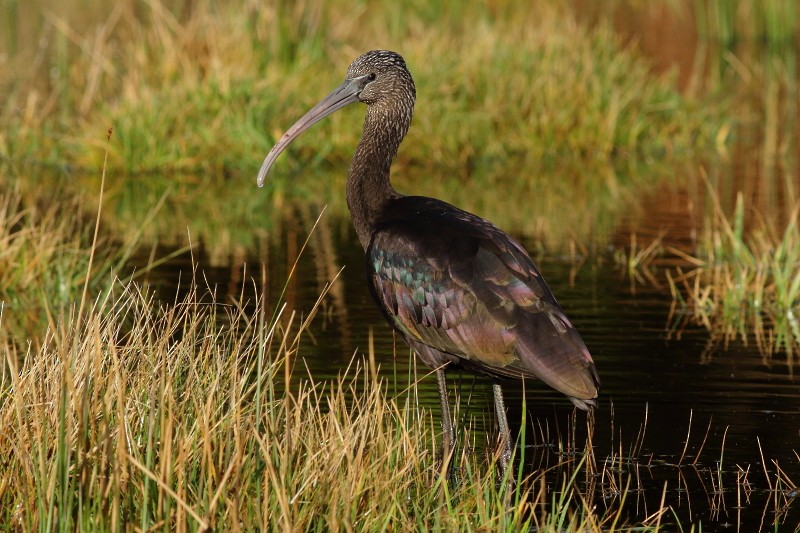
(382, 75)
(378, 78)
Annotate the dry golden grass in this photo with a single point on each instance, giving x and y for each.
(134, 413)
(190, 416)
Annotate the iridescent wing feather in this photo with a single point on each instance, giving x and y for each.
(454, 283)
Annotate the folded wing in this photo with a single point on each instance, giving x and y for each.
(453, 282)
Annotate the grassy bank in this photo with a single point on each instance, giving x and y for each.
(742, 285)
(522, 102)
(167, 419)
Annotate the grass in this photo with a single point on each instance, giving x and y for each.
(635, 262)
(740, 279)
(743, 285)
(136, 413)
(43, 264)
(774, 23)
(742, 282)
(196, 415)
(534, 106)
(205, 91)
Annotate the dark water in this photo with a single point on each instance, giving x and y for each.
(656, 391)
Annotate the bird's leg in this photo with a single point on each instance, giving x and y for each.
(448, 434)
(502, 422)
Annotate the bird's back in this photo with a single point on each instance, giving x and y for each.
(457, 287)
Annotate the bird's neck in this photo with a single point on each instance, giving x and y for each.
(368, 185)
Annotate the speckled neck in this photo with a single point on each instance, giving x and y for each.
(368, 185)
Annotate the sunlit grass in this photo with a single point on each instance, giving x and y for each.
(774, 23)
(208, 90)
(523, 102)
(44, 257)
(187, 416)
(743, 285)
(741, 280)
(635, 261)
(191, 414)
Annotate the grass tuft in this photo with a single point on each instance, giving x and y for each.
(743, 285)
(44, 260)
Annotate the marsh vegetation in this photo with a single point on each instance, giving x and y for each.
(175, 357)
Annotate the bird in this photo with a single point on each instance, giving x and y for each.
(459, 290)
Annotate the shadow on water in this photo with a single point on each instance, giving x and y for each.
(708, 436)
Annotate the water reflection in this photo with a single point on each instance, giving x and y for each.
(668, 418)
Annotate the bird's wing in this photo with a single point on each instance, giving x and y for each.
(453, 281)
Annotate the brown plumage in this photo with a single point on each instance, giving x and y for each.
(459, 290)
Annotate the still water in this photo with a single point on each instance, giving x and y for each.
(678, 423)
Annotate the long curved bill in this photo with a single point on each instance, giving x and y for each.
(345, 94)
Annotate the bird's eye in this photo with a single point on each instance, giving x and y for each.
(371, 76)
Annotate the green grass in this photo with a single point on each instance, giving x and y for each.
(774, 23)
(523, 102)
(742, 282)
(743, 285)
(44, 258)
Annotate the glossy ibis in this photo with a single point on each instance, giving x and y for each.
(459, 290)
